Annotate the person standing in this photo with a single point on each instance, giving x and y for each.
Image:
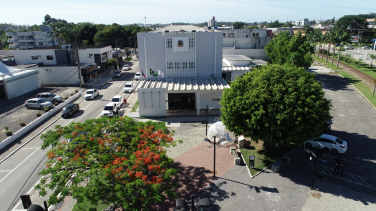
(336, 168)
(342, 166)
(125, 102)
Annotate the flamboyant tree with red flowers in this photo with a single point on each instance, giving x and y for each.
(113, 161)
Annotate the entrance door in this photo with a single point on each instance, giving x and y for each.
(3, 96)
(181, 101)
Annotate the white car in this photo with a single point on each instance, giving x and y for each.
(118, 100)
(91, 94)
(128, 87)
(137, 76)
(126, 67)
(109, 110)
(350, 47)
(333, 144)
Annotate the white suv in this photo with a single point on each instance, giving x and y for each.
(128, 87)
(126, 67)
(91, 94)
(331, 143)
(137, 76)
(118, 100)
(109, 110)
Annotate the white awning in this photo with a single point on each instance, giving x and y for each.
(180, 84)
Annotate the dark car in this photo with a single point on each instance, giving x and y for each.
(70, 110)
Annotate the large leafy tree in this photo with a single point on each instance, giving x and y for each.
(276, 104)
(238, 25)
(109, 34)
(280, 49)
(117, 161)
(85, 31)
(274, 24)
(351, 24)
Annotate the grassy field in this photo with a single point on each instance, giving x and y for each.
(128, 59)
(263, 160)
(135, 107)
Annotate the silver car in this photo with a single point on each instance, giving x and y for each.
(38, 103)
(49, 97)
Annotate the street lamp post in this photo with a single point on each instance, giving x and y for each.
(117, 54)
(206, 116)
(314, 168)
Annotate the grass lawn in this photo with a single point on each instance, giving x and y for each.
(135, 107)
(362, 87)
(128, 59)
(85, 205)
(263, 160)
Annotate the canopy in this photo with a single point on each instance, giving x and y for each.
(219, 130)
(7, 70)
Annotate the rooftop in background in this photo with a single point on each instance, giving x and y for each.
(180, 28)
(6, 53)
(237, 58)
(71, 47)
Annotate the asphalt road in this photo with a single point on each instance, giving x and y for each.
(19, 173)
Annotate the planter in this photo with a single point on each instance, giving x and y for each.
(23, 124)
(39, 114)
(9, 133)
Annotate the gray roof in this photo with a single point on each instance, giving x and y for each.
(6, 53)
(236, 58)
(182, 84)
(177, 28)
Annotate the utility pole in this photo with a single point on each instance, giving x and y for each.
(79, 72)
(360, 39)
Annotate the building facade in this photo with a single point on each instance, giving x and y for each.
(212, 22)
(181, 69)
(28, 40)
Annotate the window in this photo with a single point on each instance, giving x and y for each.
(253, 35)
(246, 35)
(191, 42)
(169, 65)
(169, 43)
(184, 65)
(176, 65)
(191, 65)
(231, 35)
(224, 35)
(256, 34)
(34, 57)
(50, 57)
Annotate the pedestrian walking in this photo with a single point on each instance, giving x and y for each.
(342, 166)
(336, 168)
(125, 102)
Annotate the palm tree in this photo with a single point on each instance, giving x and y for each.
(317, 38)
(329, 39)
(310, 35)
(335, 40)
(343, 39)
(373, 56)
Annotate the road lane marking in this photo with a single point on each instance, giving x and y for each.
(19, 165)
(29, 148)
(4, 170)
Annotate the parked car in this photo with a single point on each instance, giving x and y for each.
(38, 103)
(70, 110)
(365, 48)
(49, 97)
(137, 76)
(350, 47)
(118, 100)
(331, 143)
(118, 74)
(126, 67)
(109, 110)
(91, 94)
(128, 87)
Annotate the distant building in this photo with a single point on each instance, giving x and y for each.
(28, 40)
(304, 22)
(212, 22)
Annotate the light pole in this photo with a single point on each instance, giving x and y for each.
(206, 110)
(117, 54)
(314, 169)
(214, 144)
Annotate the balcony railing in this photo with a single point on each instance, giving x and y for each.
(12, 40)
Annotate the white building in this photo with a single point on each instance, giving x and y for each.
(212, 22)
(181, 69)
(304, 22)
(28, 40)
(57, 65)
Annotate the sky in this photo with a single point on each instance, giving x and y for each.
(188, 11)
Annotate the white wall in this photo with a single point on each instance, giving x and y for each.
(84, 54)
(152, 102)
(237, 73)
(24, 56)
(22, 84)
(253, 53)
(67, 75)
(206, 98)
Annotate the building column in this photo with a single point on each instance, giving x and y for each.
(198, 103)
(167, 102)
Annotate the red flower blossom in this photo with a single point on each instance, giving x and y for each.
(151, 168)
(139, 174)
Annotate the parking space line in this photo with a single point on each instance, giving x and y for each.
(4, 170)
(19, 165)
(29, 148)
(343, 159)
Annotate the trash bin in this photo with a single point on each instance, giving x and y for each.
(276, 166)
(252, 161)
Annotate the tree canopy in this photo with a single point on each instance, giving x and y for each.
(276, 104)
(351, 24)
(115, 161)
(238, 25)
(274, 24)
(280, 48)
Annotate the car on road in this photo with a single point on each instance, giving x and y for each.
(91, 94)
(118, 100)
(128, 87)
(137, 76)
(49, 97)
(118, 74)
(329, 143)
(38, 103)
(365, 48)
(109, 110)
(70, 110)
(350, 47)
(126, 67)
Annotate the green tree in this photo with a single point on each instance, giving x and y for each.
(84, 31)
(116, 161)
(109, 34)
(276, 104)
(288, 24)
(328, 37)
(351, 24)
(341, 38)
(127, 51)
(280, 48)
(372, 56)
(238, 25)
(274, 24)
(253, 27)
